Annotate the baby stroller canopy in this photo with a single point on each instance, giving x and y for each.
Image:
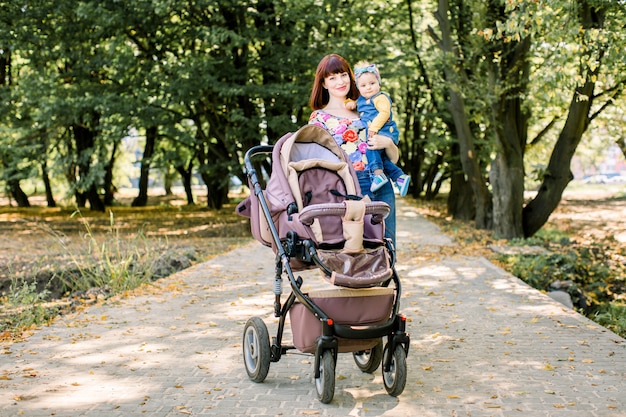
(313, 193)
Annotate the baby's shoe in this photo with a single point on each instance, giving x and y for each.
(378, 181)
(403, 184)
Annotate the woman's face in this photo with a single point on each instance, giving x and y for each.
(338, 85)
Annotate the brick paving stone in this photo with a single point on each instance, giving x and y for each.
(483, 343)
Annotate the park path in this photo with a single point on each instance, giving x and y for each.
(483, 343)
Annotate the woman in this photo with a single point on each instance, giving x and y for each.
(334, 84)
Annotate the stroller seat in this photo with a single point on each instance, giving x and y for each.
(314, 196)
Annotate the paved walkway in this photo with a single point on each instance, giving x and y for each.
(482, 344)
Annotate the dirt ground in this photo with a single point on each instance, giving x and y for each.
(594, 216)
(38, 240)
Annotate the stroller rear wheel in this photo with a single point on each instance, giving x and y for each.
(369, 360)
(256, 349)
(395, 378)
(325, 384)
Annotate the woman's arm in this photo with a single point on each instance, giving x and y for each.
(386, 143)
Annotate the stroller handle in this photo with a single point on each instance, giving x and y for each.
(378, 209)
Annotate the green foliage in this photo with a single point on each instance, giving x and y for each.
(216, 78)
(612, 316)
(24, 307)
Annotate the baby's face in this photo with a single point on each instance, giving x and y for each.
(368, 85)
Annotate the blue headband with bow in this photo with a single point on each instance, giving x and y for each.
(370, 68)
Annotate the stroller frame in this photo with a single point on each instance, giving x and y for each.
(258, 352)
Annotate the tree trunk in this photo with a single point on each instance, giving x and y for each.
(621, 142)
(5, 66)
(461, 198)
(168, 180)
(468, 153)
(217, 193)
(84, 137)
(18, 194)
(511, 126)
(95, 202)
(507, 180)
(109, 187)
(81, 199)
(431, 178)
(185, 174)
(142, 198)
(558, 173)
(46, 182)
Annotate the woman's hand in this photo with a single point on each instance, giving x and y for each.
(378, 142)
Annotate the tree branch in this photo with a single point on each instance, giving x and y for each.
(543, 132)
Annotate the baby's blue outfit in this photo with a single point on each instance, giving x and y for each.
(377, 159)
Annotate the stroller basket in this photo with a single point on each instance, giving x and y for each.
(348, 307)
(312, 214)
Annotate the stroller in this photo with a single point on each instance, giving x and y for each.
(312, 215)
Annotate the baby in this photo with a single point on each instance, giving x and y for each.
(374, 107)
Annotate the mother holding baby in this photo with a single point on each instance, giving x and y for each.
(334, 84)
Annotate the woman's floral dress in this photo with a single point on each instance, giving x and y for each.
(350, 135)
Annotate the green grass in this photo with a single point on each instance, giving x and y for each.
(108, 260)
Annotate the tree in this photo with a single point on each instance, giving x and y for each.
(598, 35)
(511, 36)
(457, 80)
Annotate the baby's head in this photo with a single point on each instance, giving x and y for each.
(367, 78)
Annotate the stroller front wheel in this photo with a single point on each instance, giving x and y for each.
(369, 360)
(325, 384)
(256, 349)
(395, 378)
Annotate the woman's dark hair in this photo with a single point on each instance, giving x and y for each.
(330, 64)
